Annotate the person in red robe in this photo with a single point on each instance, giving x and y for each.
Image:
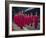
(25, 20)
(31, 19)
(21, 19)
(28, 19)
(16, 19)
(35, 20)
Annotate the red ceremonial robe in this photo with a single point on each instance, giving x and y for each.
(31, 19)
(25, 20)
(28, 20)
(21, 21)
(35, 20)
(15, 19)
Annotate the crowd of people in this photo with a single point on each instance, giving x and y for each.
(22, 20)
